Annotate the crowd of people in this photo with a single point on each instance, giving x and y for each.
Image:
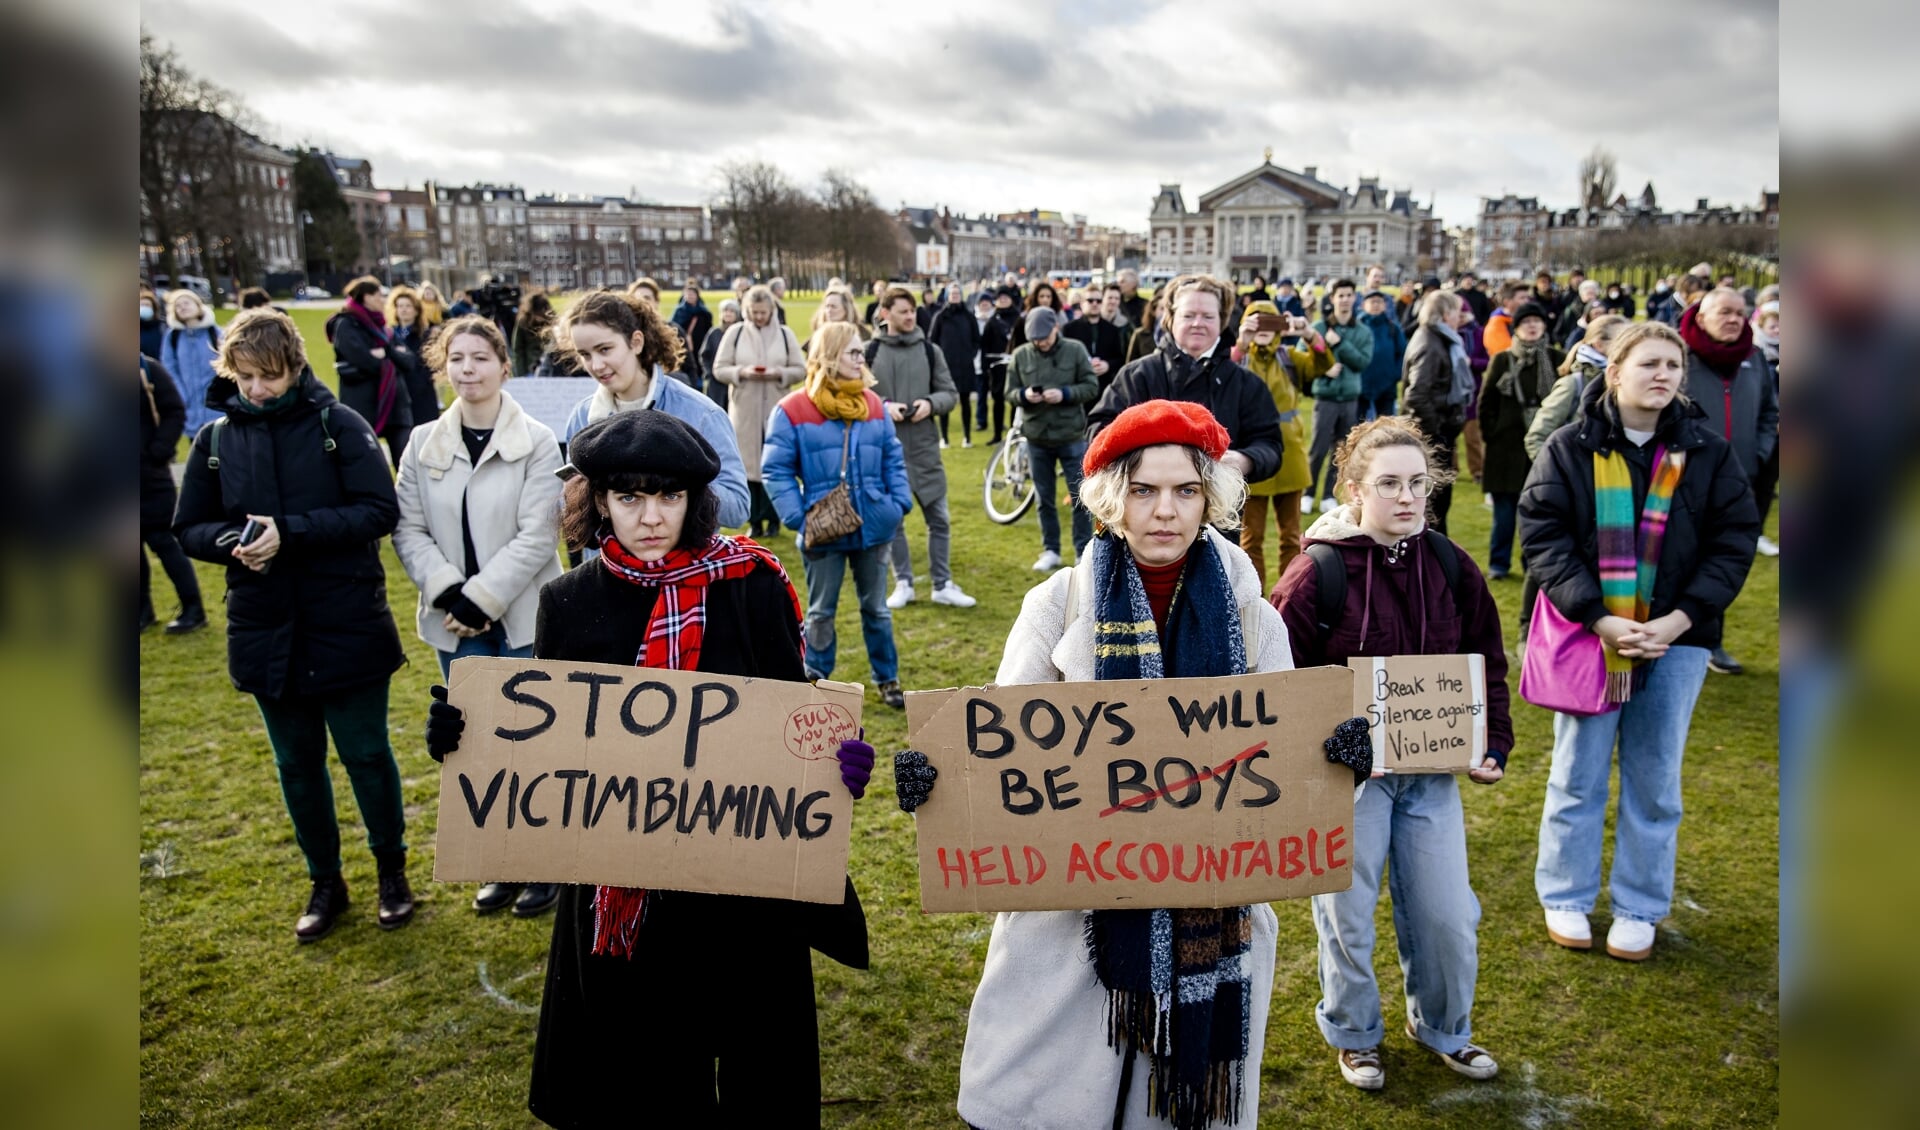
(1632, 461)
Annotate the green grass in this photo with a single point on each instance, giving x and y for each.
(433, 1024)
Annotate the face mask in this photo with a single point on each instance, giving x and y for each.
(146, 311)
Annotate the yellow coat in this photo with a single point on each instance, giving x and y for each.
(1265, 364)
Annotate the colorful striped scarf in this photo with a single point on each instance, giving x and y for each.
(1176, 980)
(675, 630)
(1629, 561)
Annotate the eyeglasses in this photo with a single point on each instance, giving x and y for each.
(1390, 488)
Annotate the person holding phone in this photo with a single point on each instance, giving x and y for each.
(289, 491)
(759, 360)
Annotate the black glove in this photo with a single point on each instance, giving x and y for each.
(445, 724)
(469, 613)
(912, 778)
(444, 602)
(1352, 746)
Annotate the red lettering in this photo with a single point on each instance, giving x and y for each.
(1031, 855)
(1336, 840)
(1262, 859)
(1077, 863)
(1239, 856)
(949, 870)
(1148, 855)
(1120, 860)
(1199, 864)
(980, 873)
(1097, 865)
(1313, 837)
(1290, 866)
(1006, 853)
(1216, 864)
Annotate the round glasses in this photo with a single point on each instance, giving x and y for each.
(1390, 488)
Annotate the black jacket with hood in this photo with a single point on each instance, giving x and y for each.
(1237, 398)
(317, 621)
(1712, 527)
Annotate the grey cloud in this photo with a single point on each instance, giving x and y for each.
(1373, 57)
(237, 50)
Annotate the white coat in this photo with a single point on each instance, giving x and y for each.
(1036, 1054)
(512, 501)
(755, 394)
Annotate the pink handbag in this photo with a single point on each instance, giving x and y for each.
(1565, 668)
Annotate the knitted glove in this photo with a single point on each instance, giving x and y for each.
(444, 602)
(468, 613)
(856, 763)
(912, 779)
(445, 724)
(1352, 746)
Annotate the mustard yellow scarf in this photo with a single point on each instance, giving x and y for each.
(839, 398)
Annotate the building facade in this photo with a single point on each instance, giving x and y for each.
(481, 230)
(413, 242)
(1276, 222)
(579, 242)
(273, 224)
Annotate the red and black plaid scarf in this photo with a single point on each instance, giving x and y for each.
(674, 633)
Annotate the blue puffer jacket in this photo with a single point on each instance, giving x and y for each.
(187, 352)
(1389, 352)
(800, 463)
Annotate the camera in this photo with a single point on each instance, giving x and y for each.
(498, 299)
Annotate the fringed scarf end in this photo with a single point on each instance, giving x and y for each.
(617, 915)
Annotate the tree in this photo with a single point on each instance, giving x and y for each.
(1598, 178)
(333, 242)
(855, 232)
(764, 213)
(192, 190)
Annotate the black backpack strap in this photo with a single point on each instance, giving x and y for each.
(1442, 547)
(1330, 595)
(928, 347)
(326, 433)
(873, 351)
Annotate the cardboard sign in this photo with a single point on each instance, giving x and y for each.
(1157, 793)
(550, 400)
(1428, 712)
(641, 777)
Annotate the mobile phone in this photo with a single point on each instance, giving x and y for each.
(1265, 323)
(253, 529)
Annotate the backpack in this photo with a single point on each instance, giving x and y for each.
(213, 438)
(1330, 597)
(173, 338)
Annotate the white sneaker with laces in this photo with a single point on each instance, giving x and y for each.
(1049, 561)
(1629, 940)
(1570, 929)
(902, 595)
(1768, 547)
(949, 594)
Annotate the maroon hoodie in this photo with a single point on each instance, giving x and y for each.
(1398, 603)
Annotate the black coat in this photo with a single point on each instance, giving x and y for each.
(956, 333)
(163, 416)
(1237, 398)
(317, 621)
(715, 977)
(1503, 424)
(1712, 526)
(996, 341)
(1428, 375)
(1103, 340)
(359, 373)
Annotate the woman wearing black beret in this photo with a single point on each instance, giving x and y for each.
(668, 1007)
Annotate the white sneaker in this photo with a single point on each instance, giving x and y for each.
(949, 594)
(1049, 561)
(1306, 505)
(1327, 504)
(1362, 1068)
(1768, 547)
(1629, 940)
(1570, 929)
(966, 443)
(1486, 500)
(902, 595)
(943, 445)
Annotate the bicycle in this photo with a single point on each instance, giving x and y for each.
(1008, 493)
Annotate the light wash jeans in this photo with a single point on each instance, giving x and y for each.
(824, 573)
(492, 642)
(939, 543)
(1414, 821)
(1651, 729)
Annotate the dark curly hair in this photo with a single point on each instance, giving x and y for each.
(581, 525)
(623, 314)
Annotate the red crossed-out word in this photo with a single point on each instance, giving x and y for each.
(1197, 778)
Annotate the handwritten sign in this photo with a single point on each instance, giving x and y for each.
(1428, 712)
(550, 400)
(640, 777)
(1157, 793)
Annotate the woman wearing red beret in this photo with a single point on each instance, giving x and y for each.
(1041, 1045)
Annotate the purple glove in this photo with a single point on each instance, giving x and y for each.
(856, 763)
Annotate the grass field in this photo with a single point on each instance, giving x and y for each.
(433, 1024)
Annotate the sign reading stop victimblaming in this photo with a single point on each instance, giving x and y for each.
(641, 777)
(1156, 793)
(1428, 713)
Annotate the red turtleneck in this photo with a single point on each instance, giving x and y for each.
(1160, 581)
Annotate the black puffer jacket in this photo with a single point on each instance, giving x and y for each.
(1711, 530)
(317, 620)
(163, 416)
(955, 332)
(1237, 398)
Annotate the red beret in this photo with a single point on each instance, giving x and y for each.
(1155, 422)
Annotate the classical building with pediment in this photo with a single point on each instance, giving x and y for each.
(1276, 222)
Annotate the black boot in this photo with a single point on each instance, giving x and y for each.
(192, 618)
(147, 617)
(495, 896)
(1724, 663)
(396, 898)
(536, 899)
(324, 908)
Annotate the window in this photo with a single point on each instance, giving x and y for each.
(446, 216)
(1257, 238)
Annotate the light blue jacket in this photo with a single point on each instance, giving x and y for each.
(705, 417)
(188, 353)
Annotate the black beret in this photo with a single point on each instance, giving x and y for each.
(645, 441)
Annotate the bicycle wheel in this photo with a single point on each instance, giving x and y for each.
(1009, 487)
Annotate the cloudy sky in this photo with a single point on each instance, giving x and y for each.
(998, 105)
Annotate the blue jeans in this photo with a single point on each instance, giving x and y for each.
(492, 642)
(1506, 518)
(824, 573)
(1040, 461)
(1416, 821)
(1651, 729)
(1378, 405)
